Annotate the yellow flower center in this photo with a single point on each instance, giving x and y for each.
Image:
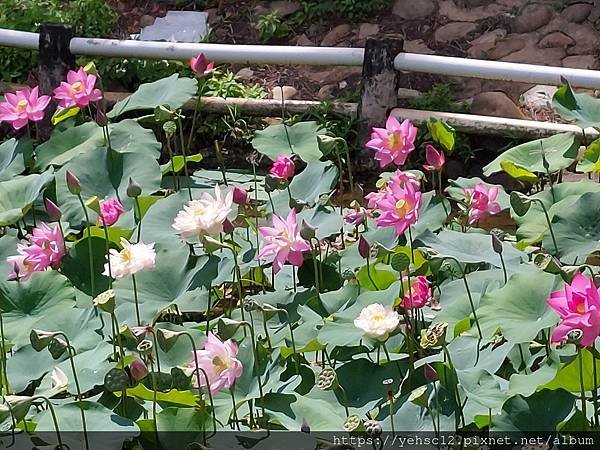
(402, 208)
(581, 308)
(126, 255)
(378, 317)
(77, 87)
(21, 106)
(219, 364)
(395, 142)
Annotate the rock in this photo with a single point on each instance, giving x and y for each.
(417, 46)
(284, 8)
(245, 74)
(453, 31)
(581, 62)
(495, 104)
(336, 35)
(284, 93)
(146, 20)
(333, 76)
(510, 44)
(304, 41)
(532, 17)
(538, 97)
(485, 43)
(326, 91)
(449, 9)
(408, 94)
(411, 9)
(532, 54)
(576, 13)
(367, 29)
(586, 38)
(556, 40)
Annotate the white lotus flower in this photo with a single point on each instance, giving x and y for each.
(377, 321)
(204, 217)
(59, 380)
(132, 259)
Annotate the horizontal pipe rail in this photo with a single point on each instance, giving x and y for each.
(326, 56)
(497, 70)
(488, 125)
(222, 53)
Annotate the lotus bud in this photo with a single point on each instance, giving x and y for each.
(73, 183)
(497, 244)
(101, 119)
(430, 373)
(138, 369)
(364, 249)
(228, 227)
(54, 212)
(90, 68)
(133, 189)
(307, 231)
(240, 196)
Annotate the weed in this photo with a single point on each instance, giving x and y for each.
(439, 98)
(270, 26)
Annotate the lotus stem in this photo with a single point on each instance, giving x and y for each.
(54, 419)
(89, 245)
(198, 370)
(582, 386)
(175, 174)
(136, 203)
(184, 154)
(136, 300)
(549, 222)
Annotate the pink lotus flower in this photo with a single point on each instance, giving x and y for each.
(138, 369)
(393, 143)
(400, 203)
(46, 250)
(482, 202)
(283, 242)
(419, 293)
(79, 90)
(578, 306)
(283, 168)
(200, 65)
(435, 159)
(240, 196)
(22, 107)
(110, 211)
(219, 361)
(399, 177)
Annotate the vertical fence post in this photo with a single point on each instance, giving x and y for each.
(378, 88)
(55, 60)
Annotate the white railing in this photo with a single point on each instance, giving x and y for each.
(320, 56)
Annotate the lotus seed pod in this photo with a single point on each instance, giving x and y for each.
(574, 336)
(327, 379)
(373, 428)
(106, 301)
(145, 346)
(353, 424)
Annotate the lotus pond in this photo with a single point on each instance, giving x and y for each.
(140, 298)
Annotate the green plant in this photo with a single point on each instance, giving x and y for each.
(439, 98)
(355, 10)
(270, 26)
(93, 18)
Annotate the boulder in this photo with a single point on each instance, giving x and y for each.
(245, 74)
(284, 8)
(336, 35)
(284, 92)
(532, 17)
(367, 29)
(576, 13)
(458, 13)
(581, 62)
(304, 41)
(417, 46)
(510, 44)
(586, 38)
(495, 104)
(411, 9)
(538, 97)
(326, 91)
(556, 40)
(454, 31)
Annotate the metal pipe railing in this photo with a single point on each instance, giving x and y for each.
(497, 70)
(221, 53)
(329, 56)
